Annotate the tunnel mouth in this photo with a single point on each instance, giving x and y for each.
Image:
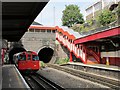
(45, 54)
(14, 51)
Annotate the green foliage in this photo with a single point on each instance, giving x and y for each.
(90, 22)
(72, 15)
(62, 61)
(103, 19)
(75, 28)
(118, 11)
(81, 27)
(78, 28)
(42, 64)
(106, 17)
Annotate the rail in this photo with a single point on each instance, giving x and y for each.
(36, 81)
(89, 76)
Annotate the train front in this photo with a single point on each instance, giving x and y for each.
(28, 62)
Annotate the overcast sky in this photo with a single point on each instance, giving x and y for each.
(52, 13)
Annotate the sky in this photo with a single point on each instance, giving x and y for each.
(52, 13)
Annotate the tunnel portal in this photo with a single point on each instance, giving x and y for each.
(14, 51)
(45, 54)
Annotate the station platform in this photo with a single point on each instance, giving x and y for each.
(11, 78)
(100, 66)
(99, 69)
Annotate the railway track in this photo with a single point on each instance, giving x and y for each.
(36, 81)
(114, 84)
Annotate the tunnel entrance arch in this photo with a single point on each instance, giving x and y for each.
(14, 51)
(45, 53)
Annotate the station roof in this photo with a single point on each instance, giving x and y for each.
(111, 33)
(17, 17)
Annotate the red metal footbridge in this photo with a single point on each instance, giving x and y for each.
(87, 47)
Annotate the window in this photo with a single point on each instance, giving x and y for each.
(42, 30)
(37, 30)
(22, 57)
(31, 30)
(29, 57)
(34, 57)
(98, 6)
(89, 10)
(53, 31)
(49, 31)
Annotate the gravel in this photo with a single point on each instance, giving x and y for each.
(67, 80)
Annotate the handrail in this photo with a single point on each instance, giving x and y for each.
(71, 47)
(77, 51)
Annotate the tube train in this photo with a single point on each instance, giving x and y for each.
(27, 61)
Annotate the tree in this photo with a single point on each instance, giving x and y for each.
(106, 17)
(118, 13)
(71, 16)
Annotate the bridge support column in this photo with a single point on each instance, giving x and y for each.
(71, 57)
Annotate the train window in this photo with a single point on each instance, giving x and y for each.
(18, 57)
(22, 57)
(34, 57)
(29, 57)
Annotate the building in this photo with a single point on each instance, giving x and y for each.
(96, 8)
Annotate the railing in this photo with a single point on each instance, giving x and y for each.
(78, 52)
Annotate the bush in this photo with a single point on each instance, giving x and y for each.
(42, 64)
(106, 17)
(62, 61)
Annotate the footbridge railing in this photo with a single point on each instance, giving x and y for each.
(80, 51)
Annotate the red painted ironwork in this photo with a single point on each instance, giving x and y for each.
(99, 35)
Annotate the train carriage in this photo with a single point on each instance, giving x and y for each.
(27, 61)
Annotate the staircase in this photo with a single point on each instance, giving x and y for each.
(87, 56)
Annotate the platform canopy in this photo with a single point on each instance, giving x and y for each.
(18, 16)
